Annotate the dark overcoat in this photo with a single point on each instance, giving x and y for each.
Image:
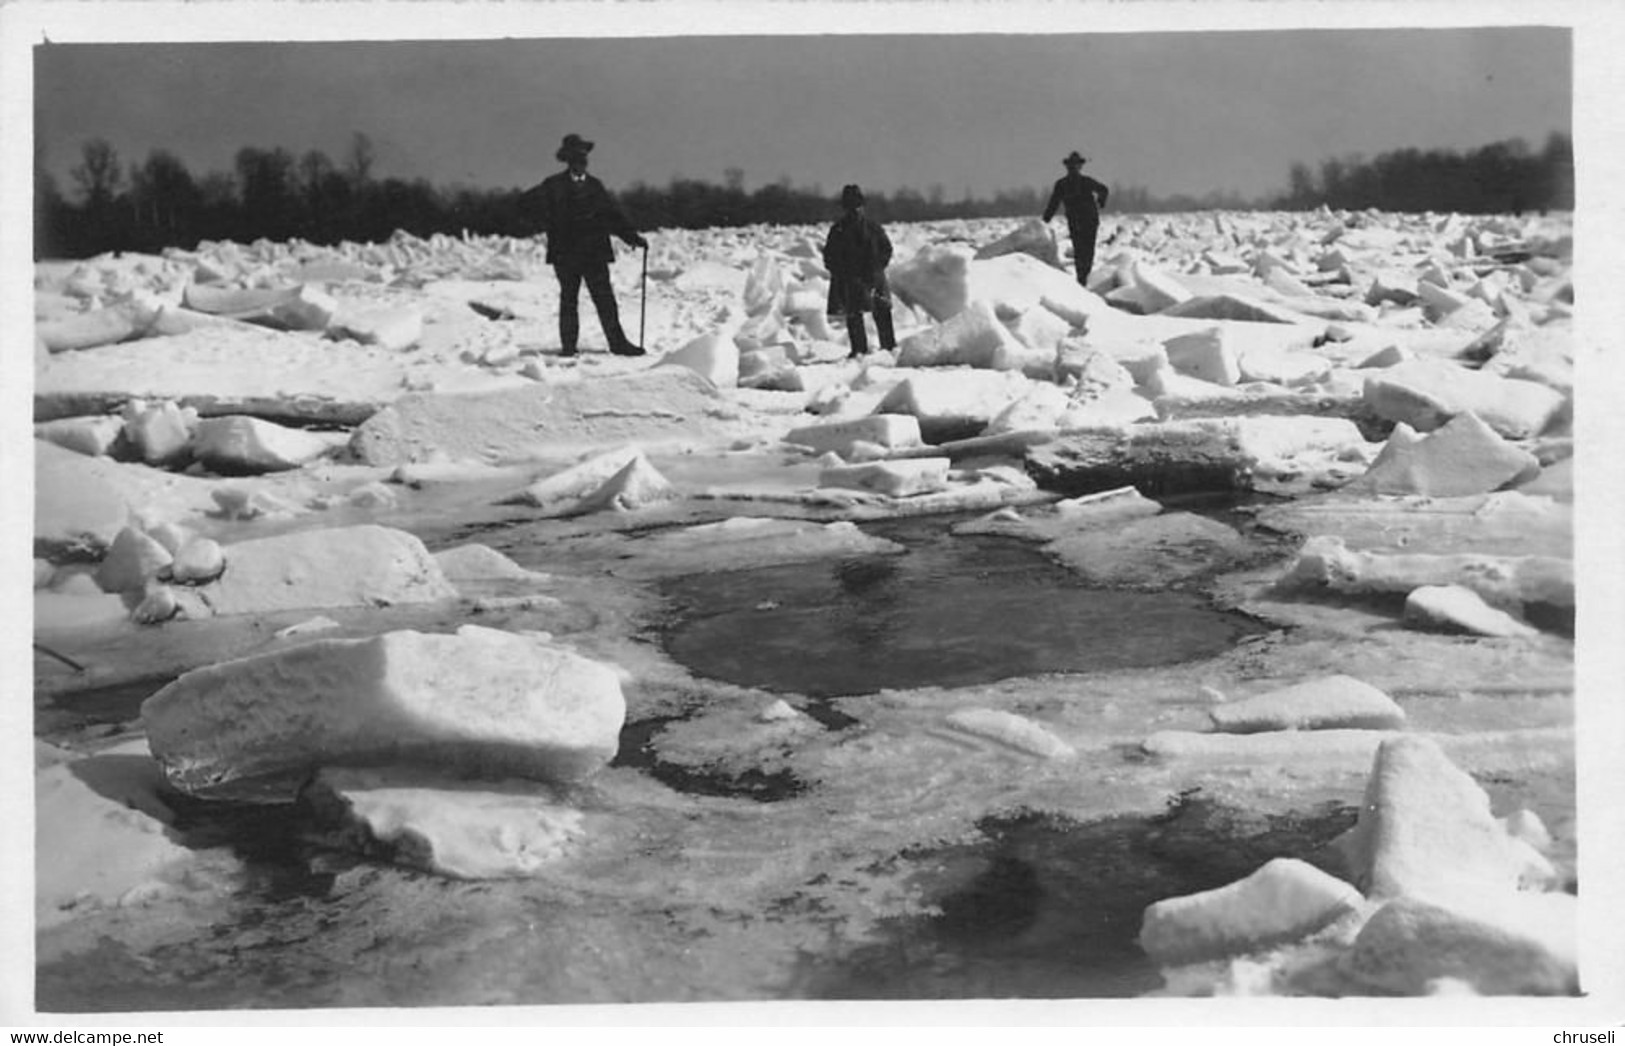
(856, 254)
(578, 218)
(1082, 196)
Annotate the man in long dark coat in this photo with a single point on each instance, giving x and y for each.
(856, 254)
(1083, 198)
(579, 215)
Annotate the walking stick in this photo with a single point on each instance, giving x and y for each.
(643, 299)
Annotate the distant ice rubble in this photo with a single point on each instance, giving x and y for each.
(1264, 364)
(995, 341)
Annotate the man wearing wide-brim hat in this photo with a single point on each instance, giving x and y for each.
(579, 215)
(856, 253)
(1083, 198)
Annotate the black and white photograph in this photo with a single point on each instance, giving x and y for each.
(541, 511)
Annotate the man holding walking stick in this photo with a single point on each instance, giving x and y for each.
(579, 215)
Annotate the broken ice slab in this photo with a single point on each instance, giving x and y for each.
(480, 702)
(1152, 289)
(1465, 456)
(1117, 504)
(943, 279)
(1330, 702)
(198, 561)
(365, 565)
(745, 542)
(160, 434)
(94, 436)
(102, 831)
(899, 478)
(560, 492)
(476, 562)
(1009, 729)
(238, 445)
(81, 503)
(885, 430)
(1452, 608)
(1041, 332)
(1206, 354)
(953, 404)
(1426, 393)
(636, 485)
(447, 825)
(89, 330)
(1283, 901)
(1426, 830)
(1324, 562)
(713, 356)
(235, 301)
(974, 337)
(1232, 306)
(130, 561)
(536, 421)
(1350, 748)
(1032, 237)
(1521, 944)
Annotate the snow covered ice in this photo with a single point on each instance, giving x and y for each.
(421, 565)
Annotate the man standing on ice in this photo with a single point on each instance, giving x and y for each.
(579, 215)
(856, 254)
(1083, 198)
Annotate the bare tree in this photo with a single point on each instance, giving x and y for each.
(265, 182)
(98, 174)
(163, 192)
(314, 169)
(323, 190)
(1301, 192)
(359, 161)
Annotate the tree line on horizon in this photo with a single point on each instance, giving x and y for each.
(271, 194)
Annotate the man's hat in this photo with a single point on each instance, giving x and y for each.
(1073, 158)
(574, 145)
(851, 196)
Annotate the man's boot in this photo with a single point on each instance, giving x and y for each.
(857, 336)
(883, 327)
(619, 344)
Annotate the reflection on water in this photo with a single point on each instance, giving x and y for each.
(1042, 907)
(739, 889)
(949, 612)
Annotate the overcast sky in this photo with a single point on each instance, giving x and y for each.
(1176, 112)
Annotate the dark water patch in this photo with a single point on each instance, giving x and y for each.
(115, 703)
(951, 611)
(1045, 907)
(1233, 509)
(496, 533)
(637, 752)
(1075, 471)
(130, 981)
(1377, 604)
(828, 716)
(278, 843)
(1549, 617)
